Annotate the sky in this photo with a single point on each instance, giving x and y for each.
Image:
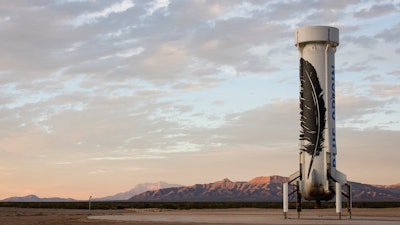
(99, 96)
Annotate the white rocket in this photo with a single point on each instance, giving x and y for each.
(317, 178)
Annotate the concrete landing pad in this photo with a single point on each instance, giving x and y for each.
(257, 216)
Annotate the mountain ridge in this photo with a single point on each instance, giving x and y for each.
(138, 189)
(35, 198)
(262, 188)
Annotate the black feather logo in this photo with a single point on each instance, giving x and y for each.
(312, 110)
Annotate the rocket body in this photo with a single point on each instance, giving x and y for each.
(317, 178)
(317, 143)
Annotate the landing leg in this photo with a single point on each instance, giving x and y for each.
(298, 202)
(285, 199)
(339, 200)
(349, 200)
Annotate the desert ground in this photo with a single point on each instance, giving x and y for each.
(27, 216)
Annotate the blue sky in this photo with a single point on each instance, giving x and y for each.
(98, 96)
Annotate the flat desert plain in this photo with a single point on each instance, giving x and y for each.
(17, 216)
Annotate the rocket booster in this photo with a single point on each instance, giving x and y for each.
(317, 142)
(317, 178)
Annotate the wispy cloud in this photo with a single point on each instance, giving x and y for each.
(93, 17)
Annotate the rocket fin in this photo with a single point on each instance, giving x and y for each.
(340, 177)
(294, 177)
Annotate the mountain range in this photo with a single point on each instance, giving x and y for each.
(257, 189)
(138, 189)
(260, 189)
(34, 198)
